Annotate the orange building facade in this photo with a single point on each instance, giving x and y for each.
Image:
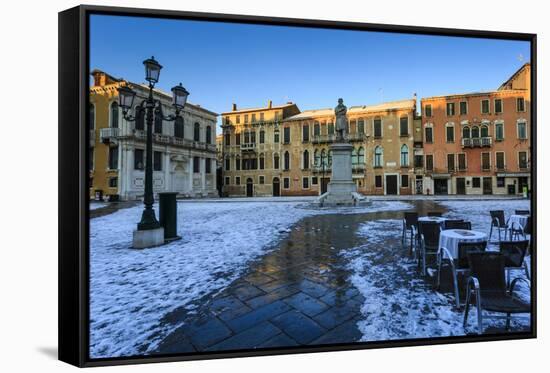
(479, 143)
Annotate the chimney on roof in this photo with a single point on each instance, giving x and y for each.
(269, 104)
(289, 102)
(234, 107)
(99, 78)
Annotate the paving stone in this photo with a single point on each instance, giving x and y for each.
(245, 292)
(313, 289)
(298, 326)
(258, 315)
(176, 342)
(339, 296)
(274, 285)
(306, 304)
(228, 308)
(250, 338)
(280, 340)
(257, 278)
(262, 300)
(345, 333)
(337, 315)
(207, 332)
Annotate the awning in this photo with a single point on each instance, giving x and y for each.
(513, 174)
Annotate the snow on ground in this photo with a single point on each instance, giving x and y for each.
(399, 304)
(97, 205)
(131, 290)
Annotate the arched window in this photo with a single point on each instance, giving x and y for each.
(361, 155)
(197, 132)
(92, 116)
(262, 136)
(475, 132)
(276, 161)
(331, 128)
(208, 134)
(378, 156)
(404, 155)
(354, 159)
(316, 129)
(324, 158)
(140, 118)
(305, 160)
(262, 161)
(287, 161)
(330, 157)
(114, 115)
(158, 123)
(484, 131)
(466, 132)
(316, 158)
(276, 136)
(178, 128)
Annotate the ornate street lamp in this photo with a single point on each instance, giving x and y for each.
(153, 108)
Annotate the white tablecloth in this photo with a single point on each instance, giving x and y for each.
(516, 221)
(450, 238)
(432, 219)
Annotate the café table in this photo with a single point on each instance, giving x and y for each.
(432, 219)
(450, 238)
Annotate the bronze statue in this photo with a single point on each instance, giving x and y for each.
(341, 120)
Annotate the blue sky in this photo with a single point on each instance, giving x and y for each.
(222, 63)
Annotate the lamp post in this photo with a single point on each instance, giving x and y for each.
(153, 108)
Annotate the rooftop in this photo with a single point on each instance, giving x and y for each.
(385, 106)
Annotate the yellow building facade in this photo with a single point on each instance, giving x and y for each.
(288, 152)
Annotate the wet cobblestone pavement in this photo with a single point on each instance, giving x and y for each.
(298, 294)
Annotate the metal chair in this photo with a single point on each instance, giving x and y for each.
(435, 213)
(487, 284)
(458, 224)
(410, 223)
(428, 233)
(515, 252)
(498, 221)
(459, 265)
(516, 230)
(522, 212)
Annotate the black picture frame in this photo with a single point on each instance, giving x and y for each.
(74, 212)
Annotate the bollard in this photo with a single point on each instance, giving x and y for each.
(168, 215)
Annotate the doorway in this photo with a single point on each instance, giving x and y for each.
(460, 185)
(276, 187)
(487, 185)
(249, 187)
(391, 184)
(441, 186)
(419, 185)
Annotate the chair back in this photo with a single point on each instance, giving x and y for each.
(458, 224)
(465, 248)
(527, 228)
(488, 268)
(523, 212)
(514, 252)
(411, 219)
(435, 213)
(430, 231)
(497, 214)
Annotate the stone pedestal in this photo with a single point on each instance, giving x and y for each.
(148, 238)
(341, 187)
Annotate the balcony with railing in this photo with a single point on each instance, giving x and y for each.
(321, 168)
(477, 142)
(358, 168)
(323, 139)
(248, 146)
(108, 134)
(356, 137)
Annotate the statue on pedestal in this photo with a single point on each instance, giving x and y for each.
(341, 120)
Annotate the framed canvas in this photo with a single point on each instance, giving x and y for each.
(236, 185)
